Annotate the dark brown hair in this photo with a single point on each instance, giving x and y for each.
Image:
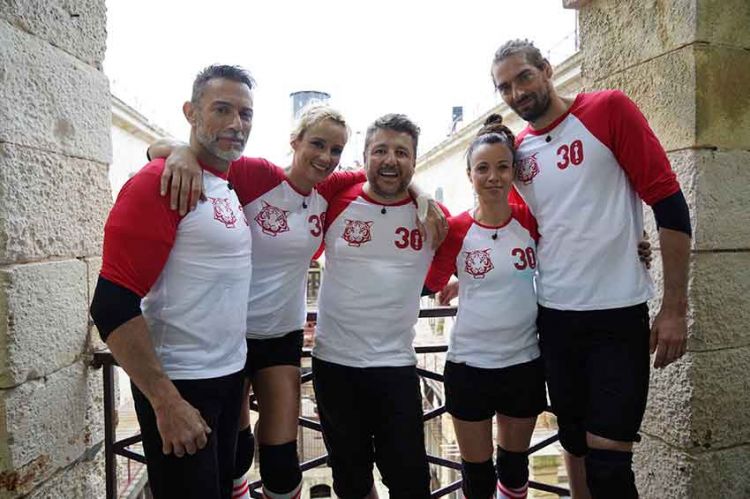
(492, 132)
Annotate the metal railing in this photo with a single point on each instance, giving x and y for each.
(114, 447)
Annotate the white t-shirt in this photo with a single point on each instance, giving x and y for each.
(496, 322)
(376, 264)
(287, 227)
(192, 272)
(582, 177)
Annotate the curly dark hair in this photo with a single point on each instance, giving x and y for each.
(526, 47)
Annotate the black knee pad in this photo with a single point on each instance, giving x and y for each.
(243, 457)
(279, 467)
(609, 474)
(512, 468)
(573, 439)
(478, 479)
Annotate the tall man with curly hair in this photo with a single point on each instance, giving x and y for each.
(584, 166)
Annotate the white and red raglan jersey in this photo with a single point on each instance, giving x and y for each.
(287, 227)
(376, 263)
(582, 178)
(496, 322)
(192, 272)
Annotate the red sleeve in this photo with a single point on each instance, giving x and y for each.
(444, 262)
(140, 232)
(339, 181)
(618, 123)
(522, 213)
(253, 177)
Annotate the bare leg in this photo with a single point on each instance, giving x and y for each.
(576, 469)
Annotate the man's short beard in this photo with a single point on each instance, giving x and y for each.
(403, 189)
(209, 144)
(538, 110)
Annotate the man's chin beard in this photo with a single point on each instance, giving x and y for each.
(536, 111)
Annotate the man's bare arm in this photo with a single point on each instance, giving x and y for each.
(182, 174)
(669, 330)
(181, 426)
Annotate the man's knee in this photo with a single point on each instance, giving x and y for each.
(573, 438)
(279, 467)
(479, 479)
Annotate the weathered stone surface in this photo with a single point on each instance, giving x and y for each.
(700, 402)
(664, 89)
(720, 301)
(49, 423)
(83, 480)
(50, 205)
(76, 26)
(714, 183)
(45, 319)
(93, 266)
(722, 99)
(617, 35)
(51, 100)
(724, 22)
(664, 472)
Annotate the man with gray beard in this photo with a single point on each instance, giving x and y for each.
(171, 299)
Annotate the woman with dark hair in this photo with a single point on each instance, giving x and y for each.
(493, 367)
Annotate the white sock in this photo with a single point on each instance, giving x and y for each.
(240, 489)
(504, 492)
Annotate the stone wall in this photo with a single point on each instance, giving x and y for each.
(54, 195)
(687, 64)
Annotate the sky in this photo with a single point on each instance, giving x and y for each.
(374, 57)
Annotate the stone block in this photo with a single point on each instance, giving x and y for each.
(51, 100)
(93, 266)
(618, 35)
(722, 100)
(700, 402)
(50, 205)
(724, 22)
(45, 311)
(77, 27)
(720, 301)
(664, 472)
(82, 480)
(715, 186)
(664, 89)
(49, 424)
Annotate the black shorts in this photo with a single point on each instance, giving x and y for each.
(282, 351)
(476, 394)
(597, 366)
(372, 415)
(208, 473)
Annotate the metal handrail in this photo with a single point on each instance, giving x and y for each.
(112, 447)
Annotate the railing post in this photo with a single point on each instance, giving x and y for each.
(110, 464)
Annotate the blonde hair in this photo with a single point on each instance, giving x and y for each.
(315, 113)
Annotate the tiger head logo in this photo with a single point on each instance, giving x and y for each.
(527, 168)
(223, 212)
(478, 263)
(357, 232)
(272, 220)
